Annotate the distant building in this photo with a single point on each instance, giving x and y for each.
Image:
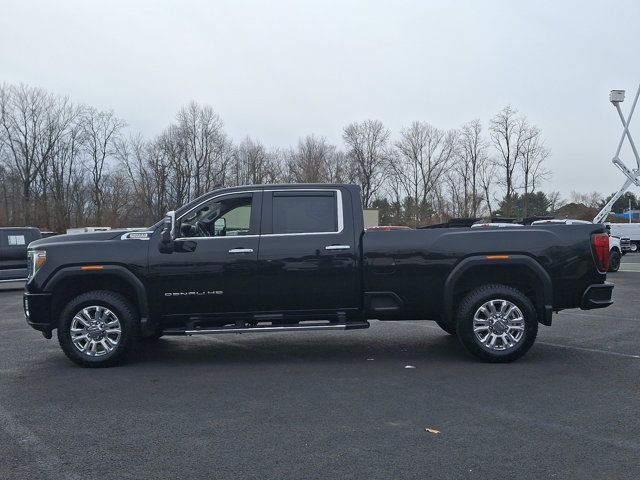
(371, 217)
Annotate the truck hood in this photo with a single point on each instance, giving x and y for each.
(78, 237)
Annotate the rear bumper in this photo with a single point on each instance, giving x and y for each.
(597, 296)
(37, 310)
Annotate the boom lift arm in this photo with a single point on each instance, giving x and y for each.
(633, 176)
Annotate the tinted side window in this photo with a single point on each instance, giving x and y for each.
(227, 216)
(304, 213)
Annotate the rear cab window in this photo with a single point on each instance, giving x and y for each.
(300, 212)
(14, 237)
(16, 240)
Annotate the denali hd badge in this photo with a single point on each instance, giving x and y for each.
(136, 235)
(193, 294)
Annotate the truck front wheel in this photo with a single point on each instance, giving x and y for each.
(497, 323)
(97, 328)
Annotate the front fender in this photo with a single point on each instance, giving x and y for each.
(138, 290)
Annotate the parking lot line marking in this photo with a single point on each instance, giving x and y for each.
(592, 350)
(591, 315)
(12, 330)
(629, 268)
(535, 422)
(571, 347)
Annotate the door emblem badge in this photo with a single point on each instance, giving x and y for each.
(193, 294)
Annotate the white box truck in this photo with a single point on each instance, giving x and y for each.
(630, 230)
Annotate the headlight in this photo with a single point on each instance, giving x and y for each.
(37, 259)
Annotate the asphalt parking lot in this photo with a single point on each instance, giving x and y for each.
(330, 405)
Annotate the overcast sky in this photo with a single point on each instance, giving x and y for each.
(278, 70)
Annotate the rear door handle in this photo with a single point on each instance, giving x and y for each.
(337, 247)
(241, 250)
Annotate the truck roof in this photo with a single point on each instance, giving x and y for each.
(19, 228)
(279, 186)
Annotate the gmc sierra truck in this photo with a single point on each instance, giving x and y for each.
(274, 258)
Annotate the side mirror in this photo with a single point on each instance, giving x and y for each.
(167, 235)
(220, 226)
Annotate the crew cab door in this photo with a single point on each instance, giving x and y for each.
(308, 252)
(212, 270)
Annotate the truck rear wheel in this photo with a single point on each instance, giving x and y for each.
(497, 323)
(97, 328)
(614, 261)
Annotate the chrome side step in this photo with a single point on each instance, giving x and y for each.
(269, 328)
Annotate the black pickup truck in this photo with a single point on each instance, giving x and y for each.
(274, 258)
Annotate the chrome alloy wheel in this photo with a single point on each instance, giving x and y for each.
(95, 331)
(498, 325)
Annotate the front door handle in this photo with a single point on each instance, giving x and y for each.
(241, 250)
(337, 247)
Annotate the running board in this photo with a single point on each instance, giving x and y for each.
(269, 328)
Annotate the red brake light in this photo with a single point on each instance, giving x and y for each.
(600, 242)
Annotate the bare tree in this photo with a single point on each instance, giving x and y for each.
(205, 147)
(101, 131)
(310, 161)
(472, 159)
(555, 201)
(147, 170)
(366, 146)
(590, 199)
(251, 164)
(425, 152)
(65, 173)
(339, 169)
(32, 121)
(488, 179)
(77, 166)
(532, 157)
(508, 135)
(171, 147)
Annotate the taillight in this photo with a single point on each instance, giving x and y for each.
(600, 242)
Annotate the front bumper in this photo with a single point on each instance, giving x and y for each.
(597, 296)
(37, 310)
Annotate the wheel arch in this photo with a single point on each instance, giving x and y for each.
(513, 270)
(70, 282)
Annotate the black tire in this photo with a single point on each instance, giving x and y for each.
(614, 261)
(472, 303)
(126, 315)
(447, 326)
